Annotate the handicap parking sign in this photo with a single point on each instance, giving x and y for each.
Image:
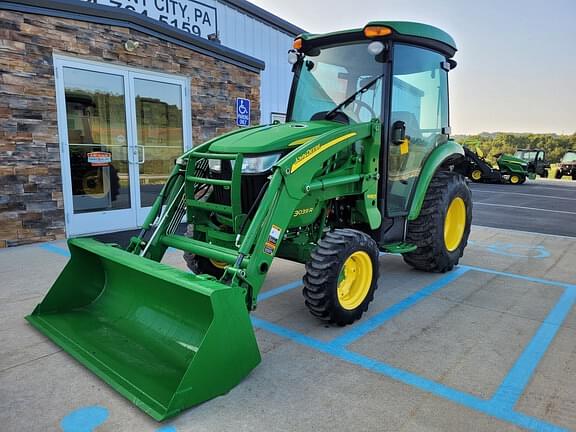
(242, 112)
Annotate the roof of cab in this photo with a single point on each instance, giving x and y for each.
(404, 28)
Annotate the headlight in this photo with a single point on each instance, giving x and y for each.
(260, 164)
(215, 165)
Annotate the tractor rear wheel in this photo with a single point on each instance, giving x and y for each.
(441, 230)
(341, 276)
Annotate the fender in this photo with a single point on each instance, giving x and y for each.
(441, 154)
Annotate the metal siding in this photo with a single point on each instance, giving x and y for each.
(253, 37)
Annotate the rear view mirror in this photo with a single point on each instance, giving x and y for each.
(398, 132)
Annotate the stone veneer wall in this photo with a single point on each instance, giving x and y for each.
(31, 202)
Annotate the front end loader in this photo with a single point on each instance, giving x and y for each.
(363, 165)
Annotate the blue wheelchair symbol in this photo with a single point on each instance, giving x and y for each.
(242, 112)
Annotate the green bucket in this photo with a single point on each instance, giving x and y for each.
(164, 338)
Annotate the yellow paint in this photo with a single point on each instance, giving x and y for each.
(454, 224)
(355, 281)
(302, 141)
(405, 146)
(219, 264)
(309, 154)
(476, 175)
(514, 179)
(301, 212)
(371, 196)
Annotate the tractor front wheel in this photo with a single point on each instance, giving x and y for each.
(341, 276)
(441, 230)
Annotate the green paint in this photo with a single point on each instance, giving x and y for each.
(439, 156)
(402, 27)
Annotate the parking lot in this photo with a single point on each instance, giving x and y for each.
(489, 346)
(543, 206)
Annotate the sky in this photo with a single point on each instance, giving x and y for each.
(516, 58)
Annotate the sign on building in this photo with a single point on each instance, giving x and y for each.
(242, 112)
(187, 15)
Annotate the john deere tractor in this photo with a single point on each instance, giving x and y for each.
(363, 165)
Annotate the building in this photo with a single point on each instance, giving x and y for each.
(98, 97)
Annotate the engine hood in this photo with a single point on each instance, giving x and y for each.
(272, 138)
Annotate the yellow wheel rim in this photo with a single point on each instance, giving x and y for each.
(355, 280)
(476, 175)
(454, 224)
(219, 264)
(514, 179)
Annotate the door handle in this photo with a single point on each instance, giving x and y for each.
(138, 161)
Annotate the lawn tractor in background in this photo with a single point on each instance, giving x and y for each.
(363, 165)
(567, 165)
(510, 169)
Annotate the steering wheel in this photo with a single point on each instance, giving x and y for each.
(358, 105)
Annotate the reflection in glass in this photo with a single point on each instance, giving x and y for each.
(160, 135)
(96, 121)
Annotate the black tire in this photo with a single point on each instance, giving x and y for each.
(199, 264)
(427, 231)
(323, 272)
(558, 175)
(516, 179)
(574, 176)
(545, 174)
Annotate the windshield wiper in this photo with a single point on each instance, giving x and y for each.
(351, 98)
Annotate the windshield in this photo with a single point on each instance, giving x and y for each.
(525, 155)
(569, 157)
(330, 75)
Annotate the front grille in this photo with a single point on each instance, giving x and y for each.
(251, 184)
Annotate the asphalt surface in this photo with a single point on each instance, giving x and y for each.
(540, 206)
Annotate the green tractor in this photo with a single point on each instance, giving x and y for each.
(511, 169)
(363, 165)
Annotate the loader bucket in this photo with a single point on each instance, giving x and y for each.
(164, 338)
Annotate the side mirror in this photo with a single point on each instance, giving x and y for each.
(398, 132)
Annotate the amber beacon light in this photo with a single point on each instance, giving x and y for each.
(377, 31)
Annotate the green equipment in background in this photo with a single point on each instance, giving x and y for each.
(363, 165)
(511, 169)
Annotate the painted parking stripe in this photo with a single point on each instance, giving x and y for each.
(371, 324)
(523, 208)
(515, 382)
(524, 194)
(279, 290)
(55, 249)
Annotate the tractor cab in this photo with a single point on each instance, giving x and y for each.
(385, 71)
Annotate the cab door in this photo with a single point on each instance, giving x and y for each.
(419, 105)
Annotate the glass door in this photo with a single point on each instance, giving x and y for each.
(120, 133)
(95, 150)
(159, 133)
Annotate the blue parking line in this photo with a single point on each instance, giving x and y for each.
(55, 249)
(515, 382)
(279, 290)
(518, 276)
(484, 406)
(377, 320)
